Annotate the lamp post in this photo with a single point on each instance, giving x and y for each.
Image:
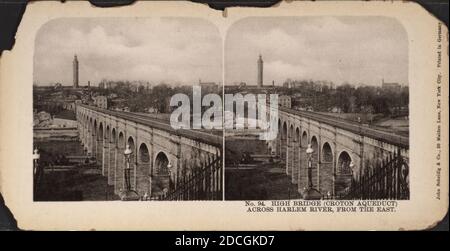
(351, 165)
(128, 193)
(311, 193)
(36, 157)
(36, 171)
(171, 179)
(126, 171)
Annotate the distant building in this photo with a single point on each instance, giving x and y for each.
(152, 110)
(75, 72)
(335, 109)
(208, 86)
(285, 101)
(122, 109)
(260, 71)
(112, 95)
(78, 102)
(58, 86)
(393, 87)
(101, 102)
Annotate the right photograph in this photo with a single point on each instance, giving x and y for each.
(316, 108)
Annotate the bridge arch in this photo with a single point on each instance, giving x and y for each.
(284, 131)
(343, 163)
(163, 178)
(143, 184)
(326, 169)
(344, 173)
(161, 163)
(100, 146)
(100, 132)
(120, 164)
(277, 141)
(94, 138)
(304, 139)
(296, 151)
(297, 135)
(131, 143)
(291, 133)
(113, 136)
(315, 146)
(121, 142)
(107, 133)
(90, 125)
(143, 153)
(327, 152)
(112, 157)
(107, 158)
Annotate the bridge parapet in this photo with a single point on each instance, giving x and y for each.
(190, 134)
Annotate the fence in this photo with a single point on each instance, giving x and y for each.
(390, 180)
(38, 177)
(203, 183)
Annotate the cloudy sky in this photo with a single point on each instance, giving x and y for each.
(351, 49)
(172, 50)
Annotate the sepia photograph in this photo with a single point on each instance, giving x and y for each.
(342, 109)
(102, 92)
(302, 116)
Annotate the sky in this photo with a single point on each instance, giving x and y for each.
(183, 50)
(357, 50)
(171, 50)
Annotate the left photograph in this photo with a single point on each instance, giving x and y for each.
(106, 124)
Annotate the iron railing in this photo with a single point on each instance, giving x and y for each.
(38, 177)
(203, 183)
(389, 181)
(344, 169)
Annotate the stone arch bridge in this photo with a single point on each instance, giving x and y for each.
(343, 150)
(161, 157)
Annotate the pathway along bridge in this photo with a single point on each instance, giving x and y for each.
(349, 160)
(165, 163)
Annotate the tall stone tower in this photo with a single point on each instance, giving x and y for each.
(260, 71)
(75, 72)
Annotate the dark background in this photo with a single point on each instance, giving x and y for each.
(11, 14)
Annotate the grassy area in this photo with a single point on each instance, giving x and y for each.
(237, 146)
(265, 182)
(76, 184)
(66, 114)
(398, 126)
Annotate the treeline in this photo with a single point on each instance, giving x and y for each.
(350, 99)
(139, 98)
